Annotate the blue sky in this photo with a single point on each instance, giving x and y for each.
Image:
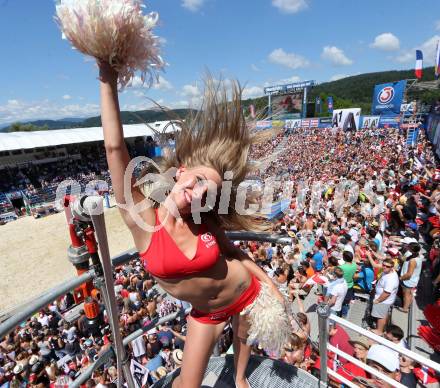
(259, 42)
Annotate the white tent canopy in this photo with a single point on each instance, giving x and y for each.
(25, 140)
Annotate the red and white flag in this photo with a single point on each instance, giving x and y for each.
(419, 64)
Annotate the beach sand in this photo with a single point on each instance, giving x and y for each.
(33, 254)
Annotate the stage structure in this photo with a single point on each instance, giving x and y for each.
(288, 101)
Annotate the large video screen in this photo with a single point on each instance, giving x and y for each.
(287, 106)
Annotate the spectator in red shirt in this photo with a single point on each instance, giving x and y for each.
(350, 370)
(340, 339)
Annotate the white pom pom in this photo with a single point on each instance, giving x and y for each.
(115, 31)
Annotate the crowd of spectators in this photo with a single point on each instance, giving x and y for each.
(38, 182)
(49, 350)
(376, 246)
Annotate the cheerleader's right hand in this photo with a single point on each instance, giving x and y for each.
(106, 72)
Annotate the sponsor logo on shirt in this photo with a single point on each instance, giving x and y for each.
(208, 239)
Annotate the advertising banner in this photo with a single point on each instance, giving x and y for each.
(305, 123)
(293, 124)
(325, 122)
(431, 127)
(436, 137)
(314, 123)
(390, 121)
(409, 108)
(330, 104)
(368, 122)
(277, 209)
(139, 373)
(278, 123)
(387, 98)
(346, 119)
(263, 124)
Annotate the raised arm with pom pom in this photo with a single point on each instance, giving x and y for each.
(113, 31)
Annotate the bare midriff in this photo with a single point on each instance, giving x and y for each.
(211, 290)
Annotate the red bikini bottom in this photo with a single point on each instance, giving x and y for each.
(245, 299)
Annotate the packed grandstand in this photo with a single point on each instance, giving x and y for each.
(341, 258)
(33, 165)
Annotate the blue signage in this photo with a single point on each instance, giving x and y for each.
(387, 98)
(318, 105)
(325, 122)
(330, 104)
(389, 121)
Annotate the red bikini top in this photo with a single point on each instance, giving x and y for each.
(164, 259)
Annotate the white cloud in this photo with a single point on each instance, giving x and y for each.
(179, 104)
(338, 77)
(139, 93)
(19, 110)
(143, 105)
(406, 56)
(192, 95)
(428, 48)
(386, 42)
(192, 5)
(255, 67)
(136, 82)
(252, 92)
(162, 84)
(336, 56)
(290, 60)
(289, 80)
(67, 97)
(191, 91)
(290, 6)
(283, 81)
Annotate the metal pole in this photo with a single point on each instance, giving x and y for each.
(269, 107)
(262, 237)
(87, 373)
(323, 311)
(410, 321)
(304, 111)
(216, 350)
(94, 207)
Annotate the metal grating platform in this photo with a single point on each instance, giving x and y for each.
(261, 373)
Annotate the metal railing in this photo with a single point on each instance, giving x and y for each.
(118, 347)
(107, 353)
(324, 316)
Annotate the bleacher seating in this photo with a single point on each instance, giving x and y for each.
(5, 204)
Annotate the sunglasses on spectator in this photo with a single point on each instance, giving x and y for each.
(388, 266)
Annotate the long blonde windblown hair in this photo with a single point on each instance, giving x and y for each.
(217, 136)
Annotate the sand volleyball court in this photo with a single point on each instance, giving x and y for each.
(33, 254)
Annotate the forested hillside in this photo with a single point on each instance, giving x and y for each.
(357, 91)
(354, 91)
